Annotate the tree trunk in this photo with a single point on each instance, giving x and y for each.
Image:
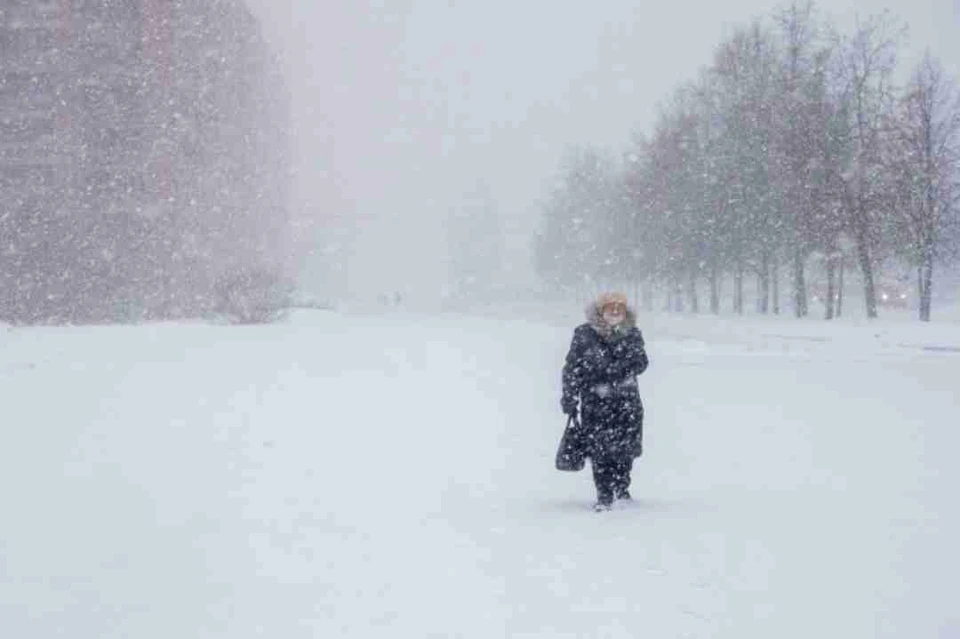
(831, 282)
(714, 290)
(738, 289)
(694, 300)
(926, 285)
(865, 262)
(929, 224)
(840, 287)
(756, 303)
(775, 276)
(920, 288)
(763, 299)
(866, 269)
(799, 285)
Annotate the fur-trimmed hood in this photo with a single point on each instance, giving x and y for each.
(595, 320)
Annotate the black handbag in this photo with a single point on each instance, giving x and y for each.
(571, 455)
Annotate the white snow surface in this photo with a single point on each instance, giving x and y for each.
(364, 476)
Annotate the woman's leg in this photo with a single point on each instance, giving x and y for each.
(623, 467)
(604, 477)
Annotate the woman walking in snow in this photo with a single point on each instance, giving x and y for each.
(606, 355)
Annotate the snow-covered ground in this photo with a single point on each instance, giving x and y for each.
(392, 476)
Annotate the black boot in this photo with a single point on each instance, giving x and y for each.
(621, 488)
(602, 506)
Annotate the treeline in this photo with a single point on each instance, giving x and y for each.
(799, 147)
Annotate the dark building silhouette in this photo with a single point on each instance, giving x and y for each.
(143, 157)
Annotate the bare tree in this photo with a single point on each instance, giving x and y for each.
(925, 161)
(744, 67)
(792, 143)
(802, 138)
(866, 63)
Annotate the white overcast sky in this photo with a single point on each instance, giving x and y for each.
(400, 106)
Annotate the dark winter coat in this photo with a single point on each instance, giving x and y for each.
(601, 371)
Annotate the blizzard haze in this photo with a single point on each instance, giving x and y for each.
(401, 107)
(192, 447)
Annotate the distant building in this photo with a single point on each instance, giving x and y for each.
(143, 156)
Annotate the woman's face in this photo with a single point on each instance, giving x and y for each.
(613, 314)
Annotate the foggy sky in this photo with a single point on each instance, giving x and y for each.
(401, 105)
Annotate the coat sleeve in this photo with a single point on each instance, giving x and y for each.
(573, 372)
(634, 360)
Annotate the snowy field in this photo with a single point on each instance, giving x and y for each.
(392, 476)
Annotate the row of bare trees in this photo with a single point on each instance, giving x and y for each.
(797, 141)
